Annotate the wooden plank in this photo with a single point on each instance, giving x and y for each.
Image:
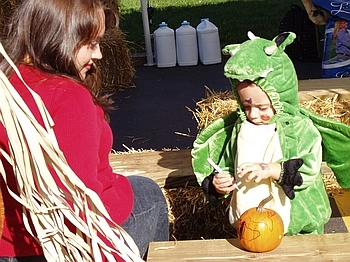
(167, 168)
(327, 247)
(325, 87)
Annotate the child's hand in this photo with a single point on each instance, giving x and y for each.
(259, 171)
(223, 183)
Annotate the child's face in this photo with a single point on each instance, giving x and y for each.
(256, 103)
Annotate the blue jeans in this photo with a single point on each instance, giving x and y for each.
(148, 221)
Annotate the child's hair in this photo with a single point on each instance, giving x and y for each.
(48, 33)
(337, 27)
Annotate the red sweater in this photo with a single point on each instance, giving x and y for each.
(85, 139)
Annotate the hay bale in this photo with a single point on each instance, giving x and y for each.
(330, 107)
(213, 106)
(192, 217)
(117, 69)
(217, 104)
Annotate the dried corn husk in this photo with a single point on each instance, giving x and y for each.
(45, 206)
(2, 213)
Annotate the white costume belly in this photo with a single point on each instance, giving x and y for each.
(258, 144)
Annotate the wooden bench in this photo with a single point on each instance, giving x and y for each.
(168, 168)
(327, 247)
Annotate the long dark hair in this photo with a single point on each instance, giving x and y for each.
(48, 33)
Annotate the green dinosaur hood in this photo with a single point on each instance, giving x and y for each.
(266, 64)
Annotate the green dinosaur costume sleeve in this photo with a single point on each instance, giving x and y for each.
(310, 208)
(336, 145)
(300, 139)
(214, 142)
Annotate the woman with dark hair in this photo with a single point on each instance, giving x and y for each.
(54, 44)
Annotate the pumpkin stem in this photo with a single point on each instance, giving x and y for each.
(263, 202)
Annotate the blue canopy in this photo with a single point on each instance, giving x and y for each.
(338, 9)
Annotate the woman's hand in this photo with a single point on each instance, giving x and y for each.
(223, 183)
(259, 171)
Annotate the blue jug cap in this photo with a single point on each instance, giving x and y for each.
(163, 24)
(204, 19)
(185, 22)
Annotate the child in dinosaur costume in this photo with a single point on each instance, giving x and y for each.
(282, 154)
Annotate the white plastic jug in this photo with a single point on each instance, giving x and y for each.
(208, 42)
(164, 46)
(186, 45)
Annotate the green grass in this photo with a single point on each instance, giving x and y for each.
(234, 18)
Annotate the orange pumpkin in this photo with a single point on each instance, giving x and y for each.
(260, 229)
